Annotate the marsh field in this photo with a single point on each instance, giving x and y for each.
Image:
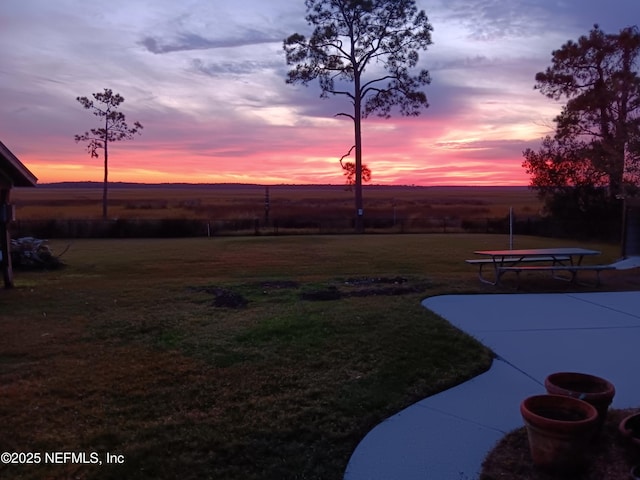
(196, 210)
(232, 357)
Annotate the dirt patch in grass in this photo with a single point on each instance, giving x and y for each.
(321, 294)
(224, 297)
(335, 290)
(611, 457)
(278, 284)
(370, 286)
(365, 287)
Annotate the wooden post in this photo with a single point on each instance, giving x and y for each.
(5, 239)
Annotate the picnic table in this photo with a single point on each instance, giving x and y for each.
(565, 259)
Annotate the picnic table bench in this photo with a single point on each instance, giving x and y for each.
(565, 259)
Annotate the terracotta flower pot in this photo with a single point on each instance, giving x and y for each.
(560, 429)
(594, 390)
(629, 427)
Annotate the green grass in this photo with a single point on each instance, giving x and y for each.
(124, 351)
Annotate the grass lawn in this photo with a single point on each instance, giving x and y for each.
(230, 358)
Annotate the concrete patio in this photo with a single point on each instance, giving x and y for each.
(447, 436)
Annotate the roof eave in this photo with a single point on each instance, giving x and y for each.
(14, 170)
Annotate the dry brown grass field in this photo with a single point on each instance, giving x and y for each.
(406, 205)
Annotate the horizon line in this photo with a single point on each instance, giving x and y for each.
(122, 183)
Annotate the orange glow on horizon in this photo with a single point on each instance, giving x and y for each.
(446, 169)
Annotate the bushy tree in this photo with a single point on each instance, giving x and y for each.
(594, 156)
(349, 169)
(114, 129)
(363, 50)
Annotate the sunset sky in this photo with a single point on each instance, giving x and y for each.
(206, 78)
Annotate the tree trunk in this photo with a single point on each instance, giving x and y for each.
(622, 122)
(357, 120)
(106, 180)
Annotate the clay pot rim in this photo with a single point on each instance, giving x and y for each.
(626, 432)
(584, 406)
(609, 390)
